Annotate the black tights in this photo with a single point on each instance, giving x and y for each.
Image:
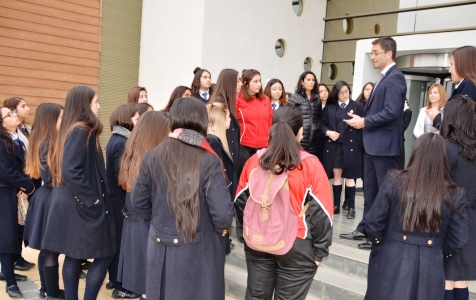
(96, 274)
(7, 260)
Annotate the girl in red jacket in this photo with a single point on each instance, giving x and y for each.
(254, 114)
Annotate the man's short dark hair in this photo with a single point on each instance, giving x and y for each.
(387, 44)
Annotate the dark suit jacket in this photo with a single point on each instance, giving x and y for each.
(383, 131)
(466, 87)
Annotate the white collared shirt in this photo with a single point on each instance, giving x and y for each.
(385, 70)
(457, 85)
(346, 102)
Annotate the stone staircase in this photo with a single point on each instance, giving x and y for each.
(342, 275)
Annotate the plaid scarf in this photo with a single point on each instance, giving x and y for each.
(192, 138)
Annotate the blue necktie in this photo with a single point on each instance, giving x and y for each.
(342, 105)
(274, 106)
(205, 96)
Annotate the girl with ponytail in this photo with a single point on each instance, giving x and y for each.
(308, 186)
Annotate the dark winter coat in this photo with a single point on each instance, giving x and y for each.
(462, 266)
(409, 265)
(176, 270)
(37, 209)
(350, 141)
(311, 111)
(228, 164)
(133, 255)
(75, 226)
(114, 150)
(12, 180)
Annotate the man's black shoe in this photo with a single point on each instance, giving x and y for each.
(365, 246)
(116, 294)
(354, 235)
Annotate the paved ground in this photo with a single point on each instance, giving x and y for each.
(30, 288)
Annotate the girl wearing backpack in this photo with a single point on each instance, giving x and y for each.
(289, 275)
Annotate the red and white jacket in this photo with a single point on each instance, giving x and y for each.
(306, 184)
(255, 118)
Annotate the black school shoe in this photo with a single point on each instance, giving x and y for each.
(109, 285)
(116, 294)
(18, 277)
(13, 292)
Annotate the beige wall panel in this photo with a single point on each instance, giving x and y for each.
(42, 47)
(47, 47)
(46, 20)
(337, 8)
(87, 3)
(49, 39)
(38, 83)
(334, 51)
(51, 12)
(49, 75)
(48, 66)
(78, 8)
(50, 30)
(48, 57)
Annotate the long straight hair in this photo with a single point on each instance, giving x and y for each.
(139, 143)
(6, 137)
(181, 166)
(300, 89)
(12, 103)
(195, 86)
(465, 62)
(425, 185)
(441, 92)
(43, 130)
(459, 124)
(133, 95)
(267, 91)
(176, 94)
(216, 122)
(246, 78)
(77, 113)
(225, 88)
(283, 152)
(361, 96)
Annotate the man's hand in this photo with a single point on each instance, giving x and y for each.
(357, 121)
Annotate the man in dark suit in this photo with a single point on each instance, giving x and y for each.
(382, 127)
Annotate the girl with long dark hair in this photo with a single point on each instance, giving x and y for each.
(306, 98)
(137, 94)
(416, 219)
(308, 185)
(254, 114)
(202, 84)
(78, 222)
(181, 189)
(227, 86)
(459, 130)
(122, 121)
(323, 93)
(342, 156)
(43, 136)
(179, 92)
(135, 231)
(13, 184)
(275, 91)
(18, 105)
(365, 93)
